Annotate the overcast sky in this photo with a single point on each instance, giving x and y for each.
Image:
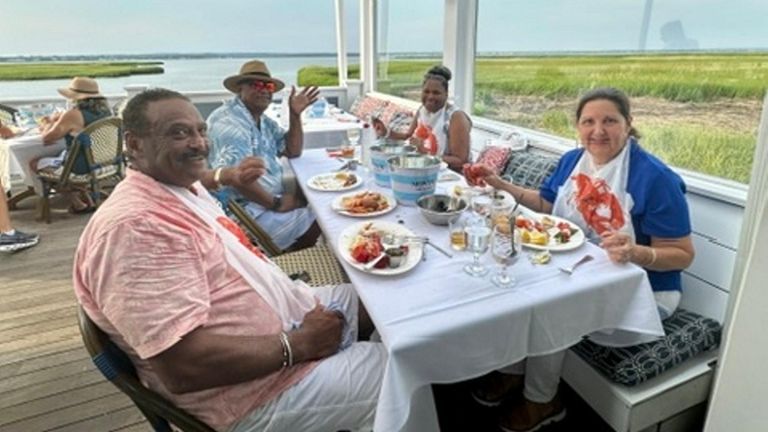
(36, 27)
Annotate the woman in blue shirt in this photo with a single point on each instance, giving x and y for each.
(88, 106)
(626, 200)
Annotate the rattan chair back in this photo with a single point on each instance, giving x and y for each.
(116, 367)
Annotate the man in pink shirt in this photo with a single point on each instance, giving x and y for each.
(208, 322)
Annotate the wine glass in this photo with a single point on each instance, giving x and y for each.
(505, 251)
(353, 136)
(478, 238)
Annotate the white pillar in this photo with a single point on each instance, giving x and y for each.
(459, 48)
(341, 44)
(368, 44)
(739, 399)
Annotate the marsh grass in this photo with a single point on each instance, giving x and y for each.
(40, 71)
(548, 81)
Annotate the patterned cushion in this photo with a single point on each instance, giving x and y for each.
(687, 334)
(529, 169)
(368, 106)
(401, 122)
(55, 173)
(495, 157)
(317, 261)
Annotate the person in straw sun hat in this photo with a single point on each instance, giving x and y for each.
(81, 88)
(239, 129)
(88, 106)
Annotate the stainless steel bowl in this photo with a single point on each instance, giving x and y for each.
(441, 209)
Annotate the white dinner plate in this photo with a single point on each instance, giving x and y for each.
(337, 207)
(415, 249)
(333, 182)
(576, 240)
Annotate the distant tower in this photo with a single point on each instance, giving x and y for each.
(673, 36)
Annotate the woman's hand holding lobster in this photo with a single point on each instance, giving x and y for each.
(618, 245)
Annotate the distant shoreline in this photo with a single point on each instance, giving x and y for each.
(398, 55)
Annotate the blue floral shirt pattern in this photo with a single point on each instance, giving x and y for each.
(234, 135)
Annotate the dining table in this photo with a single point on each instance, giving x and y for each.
(329, 130)
(25, 147)
(442, 325)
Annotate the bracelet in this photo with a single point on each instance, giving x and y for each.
(217, 178)
(653, 256)
(287, 351)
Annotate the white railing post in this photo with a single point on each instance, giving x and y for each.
(368, 44)
(459, 48)
(341, 45)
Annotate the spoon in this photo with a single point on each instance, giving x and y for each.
(372, 263)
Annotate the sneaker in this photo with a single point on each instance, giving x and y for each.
(531, 416)
(17, 241)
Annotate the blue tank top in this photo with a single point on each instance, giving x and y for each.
(81, 162)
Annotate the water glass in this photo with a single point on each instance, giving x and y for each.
(481, 205)
(353, 136)
(501, 211)
(478, 238)
(505, 250)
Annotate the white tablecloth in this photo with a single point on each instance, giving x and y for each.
(27, 147)
(441, 325)
(330, 131)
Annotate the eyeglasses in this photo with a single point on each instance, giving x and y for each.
(263, 85)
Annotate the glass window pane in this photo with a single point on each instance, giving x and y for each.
(410, 41)
(696, 71)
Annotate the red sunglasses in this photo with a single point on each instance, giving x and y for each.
(263, 85)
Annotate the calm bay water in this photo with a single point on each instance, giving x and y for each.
(181, 75)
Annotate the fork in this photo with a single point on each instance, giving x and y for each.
(569, 269)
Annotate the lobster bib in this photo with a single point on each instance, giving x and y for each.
(432, 128)
(596, 198)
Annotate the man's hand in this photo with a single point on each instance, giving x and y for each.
(247, 172)
(306, 97)
(319, 335)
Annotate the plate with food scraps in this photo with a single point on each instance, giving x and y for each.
(364, 204)
(334, 182)
(550, 233)
(363, 242)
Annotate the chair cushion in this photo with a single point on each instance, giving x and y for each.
(495, 157)
(529, 169)
(51, 174)
(318, 261)
(368, 106)
(687, 334)
(401, 122)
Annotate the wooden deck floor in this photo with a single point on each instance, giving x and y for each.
(47, 380)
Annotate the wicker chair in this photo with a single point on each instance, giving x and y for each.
(316, 265)
(118, 369)
(102, 143)
(7, 114)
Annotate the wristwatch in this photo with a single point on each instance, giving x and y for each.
(277, 200)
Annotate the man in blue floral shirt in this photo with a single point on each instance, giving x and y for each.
(238, 129)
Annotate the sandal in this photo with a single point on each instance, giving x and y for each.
(493, 388)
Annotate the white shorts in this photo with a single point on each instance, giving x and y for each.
(284, 228)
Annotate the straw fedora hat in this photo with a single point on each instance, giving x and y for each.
(81, 88)
(252, 70)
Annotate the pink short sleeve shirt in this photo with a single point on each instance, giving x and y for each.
(148, 271)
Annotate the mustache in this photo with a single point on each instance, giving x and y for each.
(192, 154)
